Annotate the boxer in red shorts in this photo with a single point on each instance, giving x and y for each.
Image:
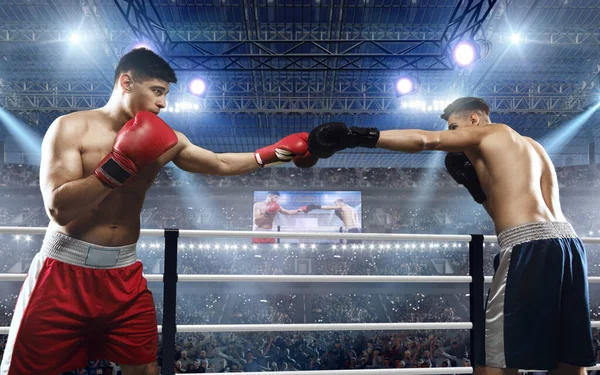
(85, 297)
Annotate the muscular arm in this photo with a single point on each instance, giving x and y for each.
(328, 207)
(288, 212)
(67, 194)
(414, 140)
(192, 158)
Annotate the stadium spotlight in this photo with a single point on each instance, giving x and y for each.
(142, 45)
(198, 87)
(406, 86)
(465, 53)
(75, 38)
(515, 38)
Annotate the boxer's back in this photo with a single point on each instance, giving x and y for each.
(518, 178)
(116, 221)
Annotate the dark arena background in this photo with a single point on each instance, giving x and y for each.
(253, 71)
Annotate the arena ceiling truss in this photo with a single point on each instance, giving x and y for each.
(279, 66)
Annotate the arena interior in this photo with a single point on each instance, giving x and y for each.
(253, 71)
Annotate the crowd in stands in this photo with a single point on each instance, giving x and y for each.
(574, 176)
(306, 350)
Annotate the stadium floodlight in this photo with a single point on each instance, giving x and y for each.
(406, 86)
(465, 53)
(515, 38)
(75, 38)
(198, 87)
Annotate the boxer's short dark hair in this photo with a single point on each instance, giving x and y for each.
(273, 193)
(466, 104)
(145, 64)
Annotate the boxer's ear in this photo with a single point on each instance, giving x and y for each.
(125, 82)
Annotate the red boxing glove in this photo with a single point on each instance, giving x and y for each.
(272, 209)
(140, 142)
(284, 150)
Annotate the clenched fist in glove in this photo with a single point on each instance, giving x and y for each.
(308, 208)
(141, 141)
(327, 139)
(462, 171)
(293, 147)
(272, 209)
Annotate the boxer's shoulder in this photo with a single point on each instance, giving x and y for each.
(78, 122)
(67, 128)
(499, 134)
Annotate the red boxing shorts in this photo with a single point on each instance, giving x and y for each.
(263, 240)
(81, 302)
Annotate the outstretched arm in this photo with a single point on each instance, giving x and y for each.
(327, 139)
(192, 158)
(415, 140)
(195, 159)
(289, 212)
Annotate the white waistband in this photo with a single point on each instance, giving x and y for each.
(542, 230)
(70, 250)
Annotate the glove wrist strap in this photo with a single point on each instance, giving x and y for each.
(365, 137)
(111, 173)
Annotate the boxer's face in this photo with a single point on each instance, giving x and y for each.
(143, 95)
(273, 198)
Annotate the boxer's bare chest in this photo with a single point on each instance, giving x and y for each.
(95, 144)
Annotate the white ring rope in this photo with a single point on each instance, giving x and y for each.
(407, 371)
(294, 235)
(325, 278)
(213, 328)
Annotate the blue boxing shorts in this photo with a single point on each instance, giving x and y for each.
(538, 310)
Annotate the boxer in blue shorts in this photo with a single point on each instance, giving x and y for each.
(537, 314)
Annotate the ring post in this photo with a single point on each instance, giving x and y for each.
(169, 301)
(477, 305)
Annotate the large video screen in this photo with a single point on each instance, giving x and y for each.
(306, 211)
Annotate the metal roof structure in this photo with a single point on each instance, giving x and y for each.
(279, 66)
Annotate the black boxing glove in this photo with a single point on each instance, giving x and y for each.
(325, 140)
(338, 213)
(311, 207)
(463, 172)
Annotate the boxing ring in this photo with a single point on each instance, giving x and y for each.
(170, 278)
